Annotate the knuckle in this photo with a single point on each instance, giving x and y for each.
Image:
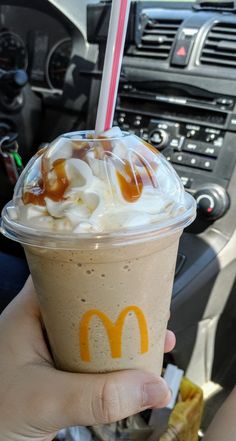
(107, 405)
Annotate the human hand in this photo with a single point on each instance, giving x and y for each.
(37, 400)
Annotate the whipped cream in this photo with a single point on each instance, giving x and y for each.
(109, 186)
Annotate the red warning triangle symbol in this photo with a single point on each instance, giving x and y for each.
(181, 52)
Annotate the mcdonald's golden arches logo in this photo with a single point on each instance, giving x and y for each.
(114, 331)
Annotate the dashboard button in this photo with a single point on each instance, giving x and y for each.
(201, 148)
(232, 122)
(185, 159)
(191, 133)
(144, 134)
(207, 164)
(178, 158)
(176, 143)
(212, 202)
(137, 123)
(210, 150)
(219, 141)
(182, 52)
(193, 161)
(159, 138)
(210, 137)
(121, 120)
(193, 147)
(187, 182)
(156, 138)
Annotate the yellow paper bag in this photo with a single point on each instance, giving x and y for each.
(185, 419)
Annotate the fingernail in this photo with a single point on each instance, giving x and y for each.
(156, 394)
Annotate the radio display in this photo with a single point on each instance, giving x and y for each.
(171, 110)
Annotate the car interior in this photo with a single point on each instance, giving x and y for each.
(178, 91)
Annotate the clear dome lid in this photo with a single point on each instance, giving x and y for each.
(84, 186)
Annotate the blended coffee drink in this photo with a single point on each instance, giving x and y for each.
(100, 221)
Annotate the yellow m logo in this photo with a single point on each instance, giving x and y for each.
(114, 331)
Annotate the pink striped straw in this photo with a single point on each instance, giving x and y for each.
(112, 64)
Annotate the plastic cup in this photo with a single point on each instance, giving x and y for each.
(104, 284)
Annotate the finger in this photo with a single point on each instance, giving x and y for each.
(170, 341)
(89, 399)
(26, 301)
(21, 327)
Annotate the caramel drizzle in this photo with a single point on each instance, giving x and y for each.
(131, 182)
(80, 149)
(100, 149)
(53, 188)
(132, 185)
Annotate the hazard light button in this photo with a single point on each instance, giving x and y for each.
(182, 52)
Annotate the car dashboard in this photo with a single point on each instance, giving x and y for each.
(42, 46)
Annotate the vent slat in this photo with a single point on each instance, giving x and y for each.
(162, 26)
(211, 44)
(157, 38)
(224, 30)
(160, 50)
(160, 32)
(221, 37)
(221, 55)
(145, 53)
(222, 63)
(220, 46)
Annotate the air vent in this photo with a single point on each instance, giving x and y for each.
(157, 37)
(220, 46)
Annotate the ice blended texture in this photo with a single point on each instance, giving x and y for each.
(106, 309)
(99, 186)
(100, 221)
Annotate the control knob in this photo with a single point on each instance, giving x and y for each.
(212, 202)
(159, 138)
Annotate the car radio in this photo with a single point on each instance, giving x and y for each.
(196, 134)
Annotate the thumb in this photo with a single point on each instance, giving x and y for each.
(90, 399)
